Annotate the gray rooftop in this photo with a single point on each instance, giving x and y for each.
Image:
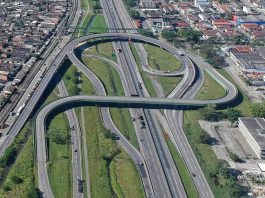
(256, 127)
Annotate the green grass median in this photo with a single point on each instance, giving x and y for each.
(167, 83)
(183, 171)
(125, 178)
(161, 59)
(99, 25)
(59, 149)
(210, 89)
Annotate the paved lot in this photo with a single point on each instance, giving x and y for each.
(229, 139)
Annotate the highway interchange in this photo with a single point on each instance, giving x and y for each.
(231, 93)
(158, 172)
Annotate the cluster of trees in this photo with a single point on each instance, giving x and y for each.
(146, 33)
(209, 113)
(210, 53)
(168, 35)
(10, 154)
(240, 40)
(257, 43)
(234, 157)
(109, 135)
(74, 77)
(131, 3)
(96, 5)
(58, 136)
(184, 34)
(134, 14)
(258, 109)
(34, 193)
(223, 170)
(205, 138)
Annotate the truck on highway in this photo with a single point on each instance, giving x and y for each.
(181, 54)
(20, 109)
(80, 186)
(140, 85)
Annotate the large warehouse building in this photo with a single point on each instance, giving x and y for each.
(253, 129)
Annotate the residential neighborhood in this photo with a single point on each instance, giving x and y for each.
(26, 28)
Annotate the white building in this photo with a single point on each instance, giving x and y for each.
(200, 2)
(253, 130)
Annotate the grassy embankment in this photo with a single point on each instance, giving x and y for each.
(210, 89)
(183, 171)
(167, 83)
(204, 153)
(59, 165)
(161, 59)
(102, 49)
(99, 25)
(123, 177)
(86, 6)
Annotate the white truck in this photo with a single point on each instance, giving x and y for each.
(20, 109)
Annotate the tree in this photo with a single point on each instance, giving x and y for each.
(258, 109)
(134, 14)
(109, 135)
(146, 33)
(208, 112)
(207, 51)
(34, 193)
(59, 137)
(205, 138)
(130, 3)
(234, 157)
(16, 179)
(168, 35)
(96, 5)
(233, 114)
(8, 157)
(189, 34)
(239, 40)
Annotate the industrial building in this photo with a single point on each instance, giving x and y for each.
(253, 129)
